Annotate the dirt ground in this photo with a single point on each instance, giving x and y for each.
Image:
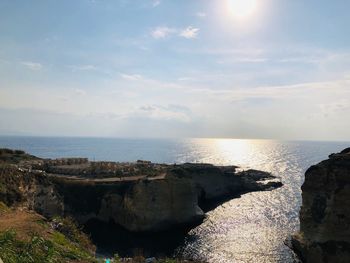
(24, 222)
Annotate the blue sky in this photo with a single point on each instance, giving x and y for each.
(184, 68)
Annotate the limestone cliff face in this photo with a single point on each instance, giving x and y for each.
(153, 205)
(140, 204)
(325, 213)
(156, 204)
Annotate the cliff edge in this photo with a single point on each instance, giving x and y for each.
(324, 235)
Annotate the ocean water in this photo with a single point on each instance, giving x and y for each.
(251, 228)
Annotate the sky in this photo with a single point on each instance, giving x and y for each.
(276, 69)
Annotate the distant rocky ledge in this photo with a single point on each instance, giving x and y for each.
(324, 235)
(140, 196)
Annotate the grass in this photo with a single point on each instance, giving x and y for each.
(27, 237)
(3, 207)
(69, 228)
(39, 249)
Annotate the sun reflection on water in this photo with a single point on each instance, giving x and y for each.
(251, 228)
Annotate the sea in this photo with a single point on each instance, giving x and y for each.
(251, 228)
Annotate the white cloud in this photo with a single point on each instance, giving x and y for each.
(185, 79)
(164, 112)
(131, 76)
(82, 67)
(223, 51)
(178, 110)
(156, 3)
(189, 32)
(201, 14)
(162, 32)
(32, 65)
(230, 60)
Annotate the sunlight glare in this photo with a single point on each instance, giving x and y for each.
(242, 8)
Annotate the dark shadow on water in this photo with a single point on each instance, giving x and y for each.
(209, 205)
(110, 238)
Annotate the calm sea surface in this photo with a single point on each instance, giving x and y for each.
(247, 229)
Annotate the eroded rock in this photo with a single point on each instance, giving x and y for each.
(325, 213)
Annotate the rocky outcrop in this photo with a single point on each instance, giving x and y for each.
(324, 235)
(156, 204)
(31, 189)
(170, 198)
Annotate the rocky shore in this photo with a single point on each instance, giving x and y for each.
(324, 235)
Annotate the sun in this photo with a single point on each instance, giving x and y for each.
(241, 9)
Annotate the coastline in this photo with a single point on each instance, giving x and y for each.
(149, 203)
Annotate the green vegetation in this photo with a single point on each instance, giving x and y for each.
(58, 248)
(38, 249)
(3, 207)
(70, 250)
(69, 229)
(9, 184)
(14, 156)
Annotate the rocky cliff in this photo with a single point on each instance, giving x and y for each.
(156, 204)
(138, 204)
(325, 213)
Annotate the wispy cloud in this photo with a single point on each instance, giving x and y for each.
(80, 92)
(185, 79)
(201, 14)
(242, 60)
(165, 112)
(156, 3)
(162, 32)
(82, 67)
(32, 65)
(223, 51)
(189, 32)
(131, 76)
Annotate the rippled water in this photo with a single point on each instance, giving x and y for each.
(247, 229)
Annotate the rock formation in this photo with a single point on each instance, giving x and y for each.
(150, 204)
(153, 205)
(324, 235)
(139, 203)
